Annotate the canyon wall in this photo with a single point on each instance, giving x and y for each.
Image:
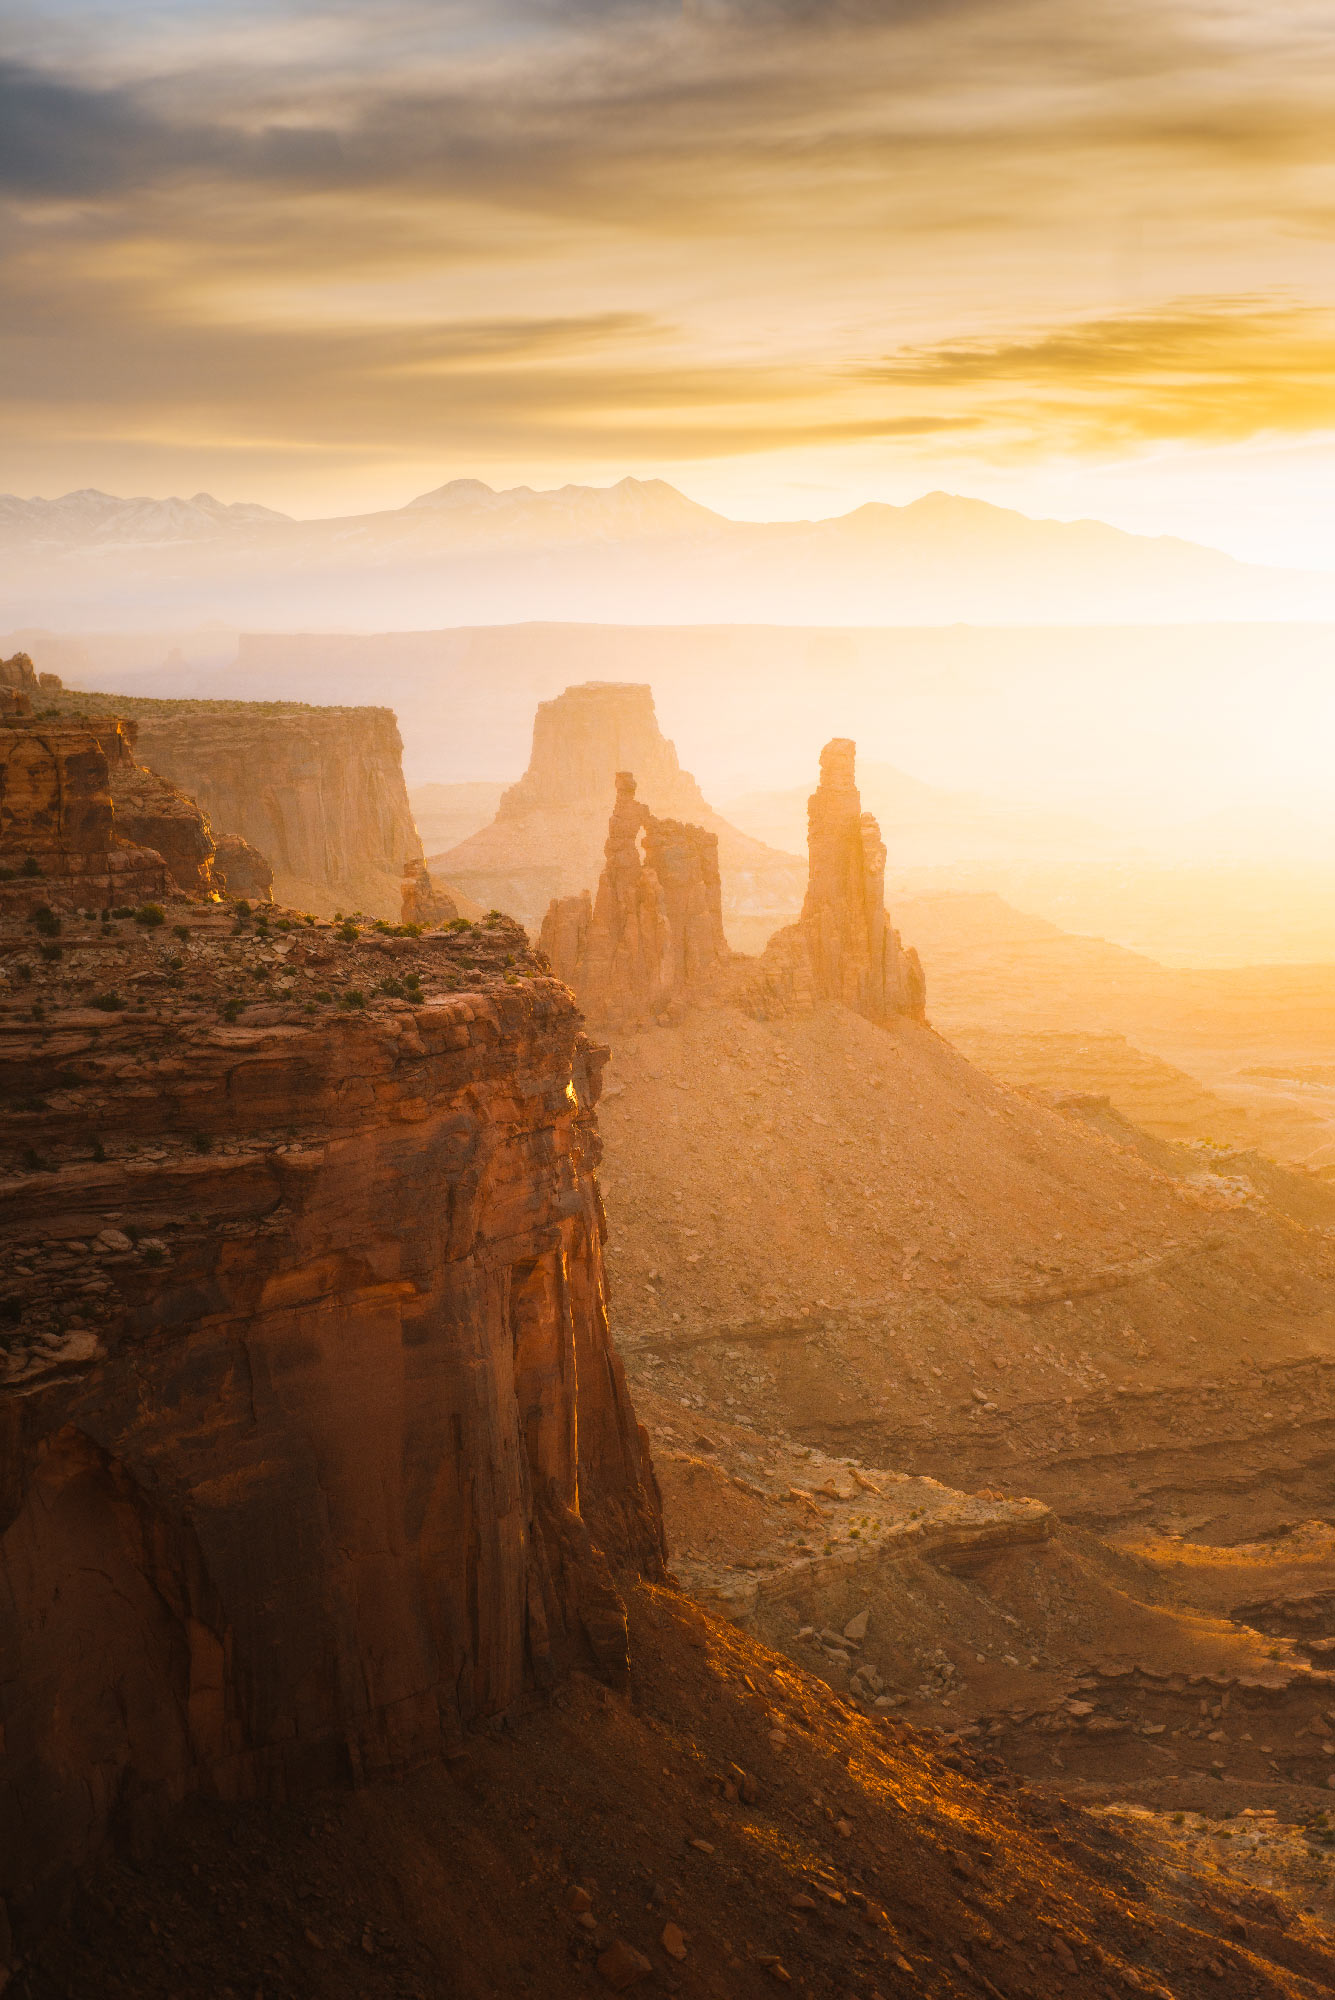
(314, 1446)
(548, 836)
(319, 792)
(61, 841)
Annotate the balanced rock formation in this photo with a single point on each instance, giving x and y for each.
(315, 1446)
(60, 843)
(651, 942)
(547, 839)
(843, 947)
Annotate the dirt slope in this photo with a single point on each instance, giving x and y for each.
(732, 1822)
(870, 1245)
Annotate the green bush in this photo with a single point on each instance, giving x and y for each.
(150, 915)
(349, 933)
(354, 997)
(110, 1003)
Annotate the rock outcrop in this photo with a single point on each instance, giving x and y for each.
(424, 901)
(319, 792)
(843, 947)
(651, 942)
(60, 840)
(314, 1445)
(19, 672)
(547, 838)
(241, 870)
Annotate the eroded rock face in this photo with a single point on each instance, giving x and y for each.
(843, 947)
(241, 870)
(154, 813)
(423, 900)
(318, 791)
(314, 1445)
(60, 839)
(651, 942)
(547, 840)
(19, 672)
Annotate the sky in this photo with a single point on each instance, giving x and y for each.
(792, 255)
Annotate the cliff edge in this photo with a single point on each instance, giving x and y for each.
(315, 1443)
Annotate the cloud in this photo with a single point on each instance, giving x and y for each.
(638, 227)
(1214, 369)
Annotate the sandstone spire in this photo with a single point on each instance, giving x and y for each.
(842, 948)
(651, 940)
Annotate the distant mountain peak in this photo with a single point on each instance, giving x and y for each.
(644, 503)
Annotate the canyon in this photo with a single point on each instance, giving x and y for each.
(758, 1503)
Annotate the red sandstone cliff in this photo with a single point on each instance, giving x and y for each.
(319, 792)
(61, 842)
(548, 835)
(313, 1430)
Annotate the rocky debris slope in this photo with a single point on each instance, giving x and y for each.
(845, 1232)
(314, 1440)
(1079, 1663)
(547, 839)
(651, 942)
(731, 1830)
(319, 792)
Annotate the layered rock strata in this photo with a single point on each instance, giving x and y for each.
(60, 840)
(843, 948)
(547, 839)
(319, 792)
(651, 943)
(315, 1442)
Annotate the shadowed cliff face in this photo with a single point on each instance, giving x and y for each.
(314, 1441)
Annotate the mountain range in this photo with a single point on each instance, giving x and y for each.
(637, 552)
